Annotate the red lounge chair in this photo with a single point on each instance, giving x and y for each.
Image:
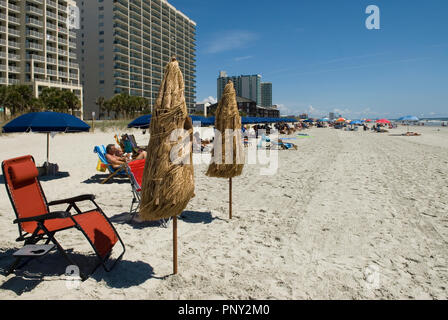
(36, 223)
(135, 171)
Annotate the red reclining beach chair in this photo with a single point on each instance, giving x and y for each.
(135, 172)
(36, 223)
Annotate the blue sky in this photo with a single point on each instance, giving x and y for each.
(320, 56)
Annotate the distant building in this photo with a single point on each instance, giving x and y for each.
(303, 116)
(246, 86)
(202, 108)
(266, 94)
(38, 46)
(250, 109)
(332, 116)
(124, 47)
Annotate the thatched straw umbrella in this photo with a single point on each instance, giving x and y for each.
(228, 154)
(168, 184)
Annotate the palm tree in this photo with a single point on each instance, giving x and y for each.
(52, 99)
(71, 100)
(4, 94)
(19, 98)
(100, 102)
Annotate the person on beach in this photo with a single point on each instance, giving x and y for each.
(117, 158)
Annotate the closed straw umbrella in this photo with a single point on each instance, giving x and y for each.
(168, 183)
(228, 151)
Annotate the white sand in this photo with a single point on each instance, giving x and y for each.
(344, 204)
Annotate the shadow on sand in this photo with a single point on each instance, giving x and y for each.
(98, 178)
(57, 176)
(198, 217)
(125, 218)
(126, 274)
(186, 216)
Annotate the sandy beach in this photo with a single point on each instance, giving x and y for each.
(350, 215)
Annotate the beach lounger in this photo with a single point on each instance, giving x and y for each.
(101, 152)
(136, 169)
(134, 143)
(284, 145)
(37, 223)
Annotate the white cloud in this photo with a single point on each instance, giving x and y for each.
(210, 99)
(284, 110)
(231, 40)
(243, 58)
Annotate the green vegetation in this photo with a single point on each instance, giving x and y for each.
(123, 106)
(19, 99)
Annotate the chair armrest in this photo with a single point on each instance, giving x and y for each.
(83, 197)
(47, 216)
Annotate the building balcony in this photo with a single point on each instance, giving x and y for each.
(51, 3)
(52, 15)
(14, 44)
(34, 34)
(13, 7)
(35, 57)
(34, 22)
(39, 70)
(35, 10)
(13, 32)
(13, 20)
(14, 57)
(52, 49)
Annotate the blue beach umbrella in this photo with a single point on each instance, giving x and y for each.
(408, 118)
(141, 122)
(46, 122)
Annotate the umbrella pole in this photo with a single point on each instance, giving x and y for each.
(175, 245)
(48, 152)
(230, 198)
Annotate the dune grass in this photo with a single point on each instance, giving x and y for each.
(107, 125)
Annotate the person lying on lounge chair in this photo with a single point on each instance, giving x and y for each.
(117, 158)
(411, 134)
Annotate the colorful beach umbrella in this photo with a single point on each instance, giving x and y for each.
(382, 121)
(340, 120)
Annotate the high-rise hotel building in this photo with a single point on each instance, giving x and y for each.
(246, 86)
(36, 46)
(266, 94)
(124, 47)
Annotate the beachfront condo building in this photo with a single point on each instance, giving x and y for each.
(37, 45)
(266, 94)
(246, 86)
(124, 47)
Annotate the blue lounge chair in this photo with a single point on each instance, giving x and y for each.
(122, 170)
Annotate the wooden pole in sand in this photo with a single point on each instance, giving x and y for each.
(48, 153)
(175, 245)
(230, 198)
